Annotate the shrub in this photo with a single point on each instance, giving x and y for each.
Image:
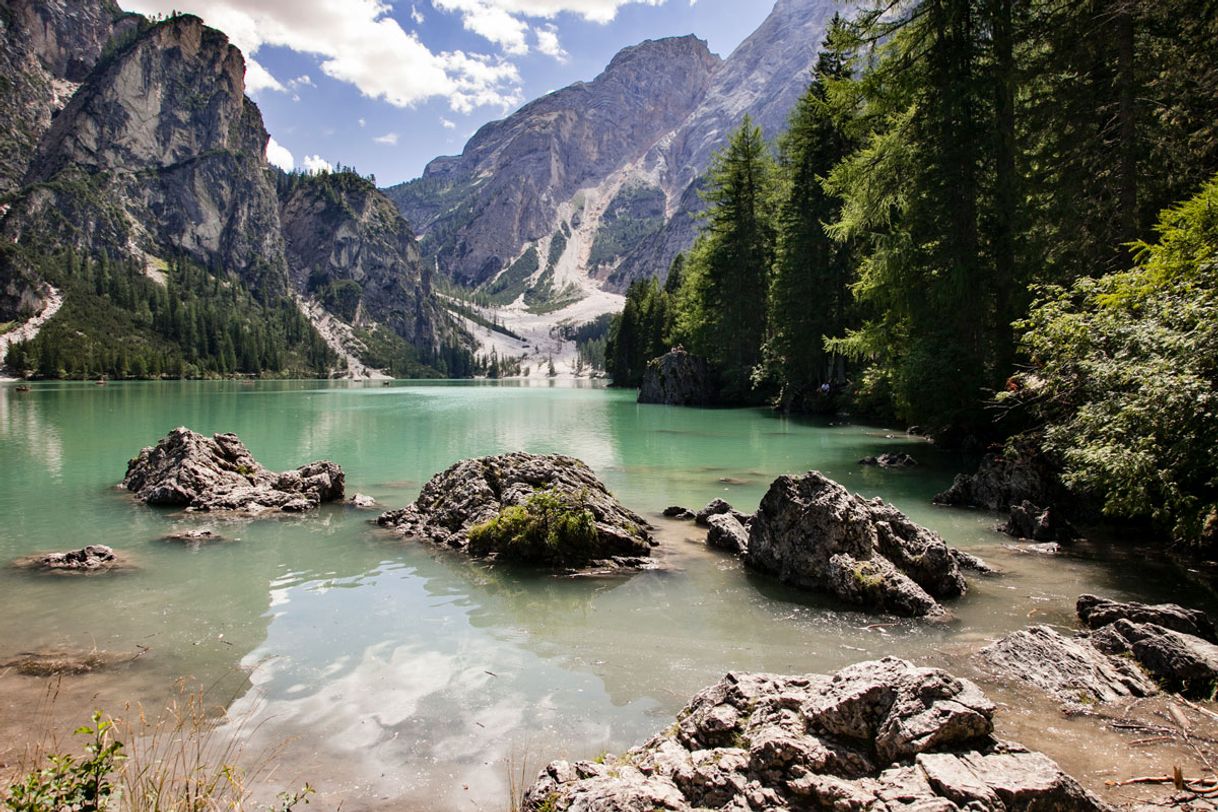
(68, 783)
(552, 528)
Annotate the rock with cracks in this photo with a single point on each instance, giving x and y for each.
(1095, 613)
(1002, 483)
(92, 558)
(218, 473)
(475, 491)
(727, 533)
(812, 533)
(881, 735)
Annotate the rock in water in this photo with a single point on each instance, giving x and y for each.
(890, 460)
(1000, 484)
(878, 735)
(727, 533)
(1095, 613)
(811, 532)
(718, 507)
(678, 379)
(93, 558)
(218, 473)
(474, 492)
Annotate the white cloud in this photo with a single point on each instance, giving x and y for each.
(279, 155)
(388, 139)
(357, 41)
(315, 164)
(448, 125)
(598, 11)
(363, 122)
(416, 15)
(547, 42)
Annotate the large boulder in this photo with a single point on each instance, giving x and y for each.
(1180, 663)
(1001, 483)
(812, 533)
(474, 492)
(218, 473)
(1027, 521)
(678, 379)
(877, 735)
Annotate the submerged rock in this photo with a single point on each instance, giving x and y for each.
(1128, 654)
(678, 379)
(878, 735)
(718, 507)
(93, 558)
(1095, 613)
(218, 473)
(195, 538)
(811, 532)
(678, 512)
(474, 492)
(890, 460)
(65, 662)
(362, 501)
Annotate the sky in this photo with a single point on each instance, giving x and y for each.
(387, 85)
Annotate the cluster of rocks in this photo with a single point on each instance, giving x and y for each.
(881, 735)
(476, 491)
(1130, 650)
(1022, 486)
(812, 533)
(218, 473)
(889, 459)
(678, 379)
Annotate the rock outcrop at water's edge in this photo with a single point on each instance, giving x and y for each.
(92, 558)
(881, 735)
(476, 491)
(678, 379)
(812, 533)
(1127, 655)
(218, 473)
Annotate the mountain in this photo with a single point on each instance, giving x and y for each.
(154, 173)
(607, 171)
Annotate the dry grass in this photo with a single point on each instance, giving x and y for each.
(186, 757)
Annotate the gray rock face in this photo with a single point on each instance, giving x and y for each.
(1068, 668)
(48, 47)
(881, 735)
(1095, 613)
(1027, 521)
(889, 460)
(1000, 484)
(1128, 654)
(473, 492)
(478, 210)
(812, 533)
(718, 507)
(338, 228)
(218, 473)
(159, 153)
(678, 379)
(727, 533)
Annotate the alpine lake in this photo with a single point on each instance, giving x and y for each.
(391, 674)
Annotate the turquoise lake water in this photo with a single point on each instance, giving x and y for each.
(394, 674)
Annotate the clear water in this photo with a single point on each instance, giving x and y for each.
(392, 673)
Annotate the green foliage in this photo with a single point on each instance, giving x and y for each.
(639, 333)
(591, 340)
(552, 528)
(342, 298)
(1126, 377)
(724, 297)
(71, 783)
(118, 322)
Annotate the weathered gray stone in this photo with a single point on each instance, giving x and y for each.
(1027, 521)
(727, 533)
(890, 460)
(218, 473)
(1071, 669)
(474, 492)
(1001, 483)
(880, 735)
(718, 507)
(1179, 662)
(1096, 612)
(812, 533)
(678, 379)
(93, 558)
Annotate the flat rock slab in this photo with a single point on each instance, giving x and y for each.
(881, 735)
(218, 474)
(474, 492)
(1096, 612)
(812, 533)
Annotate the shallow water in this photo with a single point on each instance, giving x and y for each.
(398, 674)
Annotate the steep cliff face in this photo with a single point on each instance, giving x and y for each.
(159, 154)
(348, 247)
(593, 157)
(478, 211)
(47, 47)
